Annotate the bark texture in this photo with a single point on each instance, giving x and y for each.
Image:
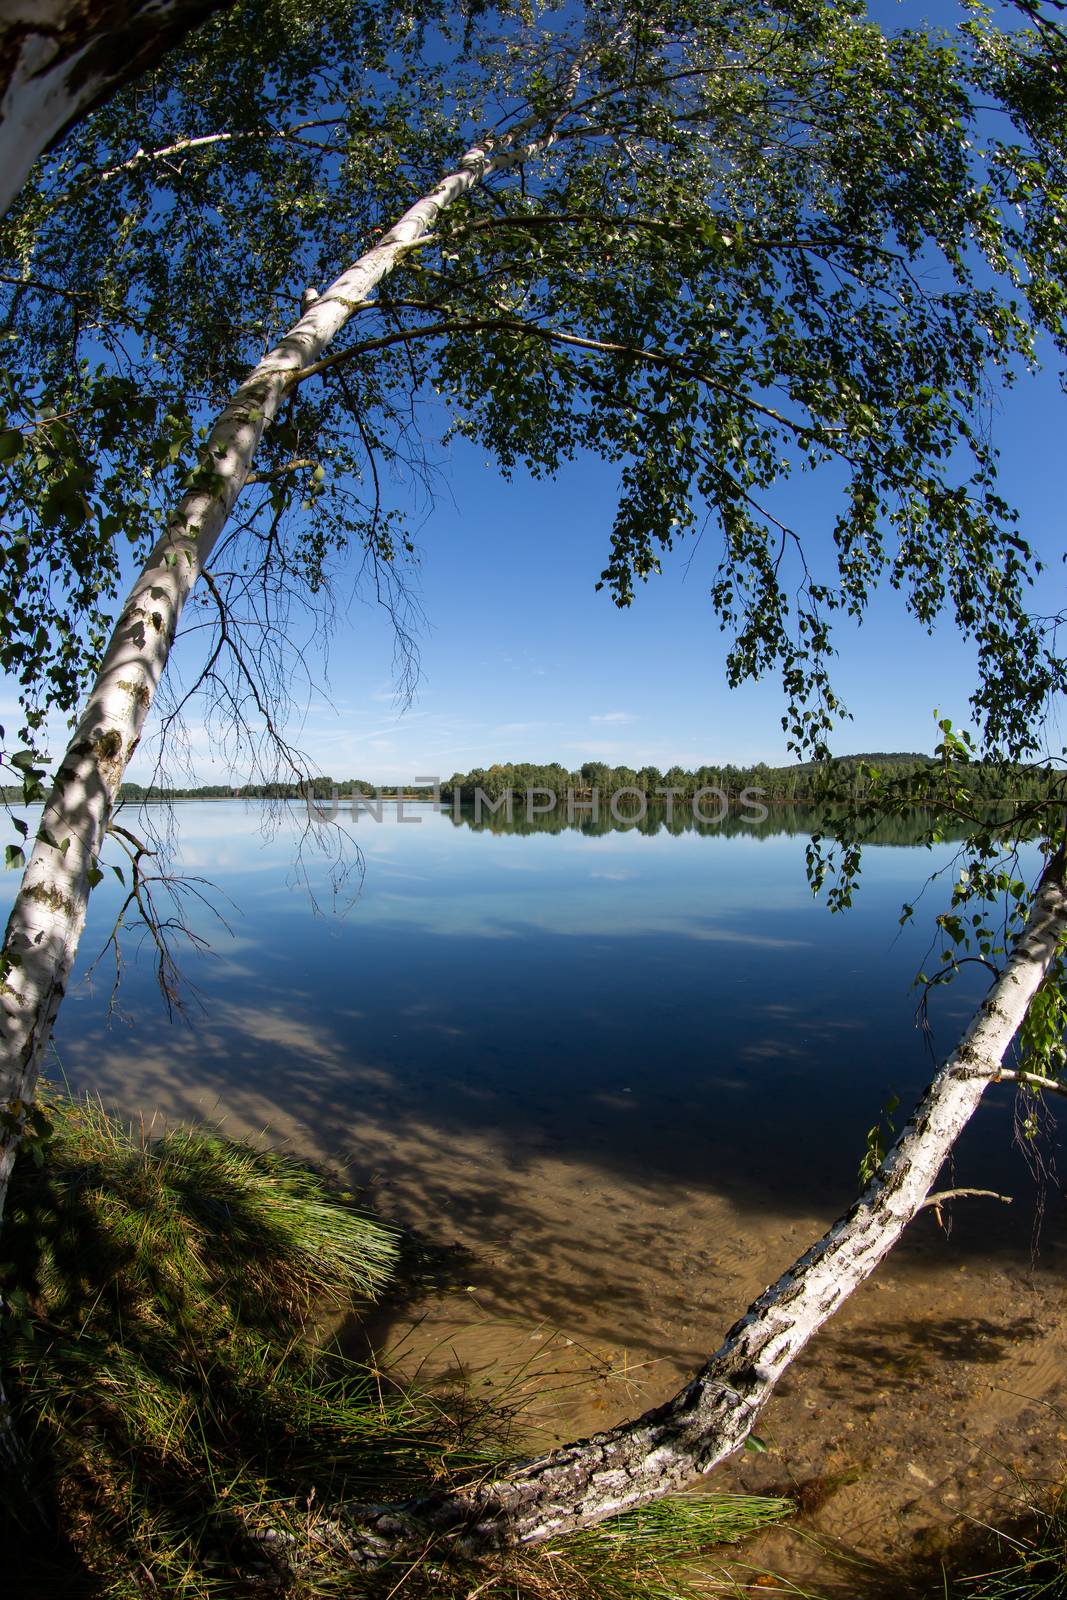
(582, 1483)
(48, 916)
(60, 58)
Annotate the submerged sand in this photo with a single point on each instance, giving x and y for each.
(581, 1288)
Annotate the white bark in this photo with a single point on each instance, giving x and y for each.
(48, 916)
(60, 58)
(45, 82)
(582, 1483)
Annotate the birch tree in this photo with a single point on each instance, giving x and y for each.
(688, 243)
(664, 1450)
(59, 59)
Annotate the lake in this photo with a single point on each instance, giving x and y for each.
(623, 1077)
(665, 1006)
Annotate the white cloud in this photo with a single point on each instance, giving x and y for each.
(614, 716)
(523, 727)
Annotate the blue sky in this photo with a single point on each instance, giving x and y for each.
(521, 658)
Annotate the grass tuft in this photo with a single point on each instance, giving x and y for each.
(630, 1556)
(157, 1356)
(1027, 1563)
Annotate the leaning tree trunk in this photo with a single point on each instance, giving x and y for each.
(60, 58)
(48, 916)
(582, 1483)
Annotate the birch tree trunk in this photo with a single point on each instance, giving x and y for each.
(60, 58)
(582, 1483)
(48, 916)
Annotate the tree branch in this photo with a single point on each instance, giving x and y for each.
(1029, 1080)
(584, 1482)
(270, 474)
(660, 358)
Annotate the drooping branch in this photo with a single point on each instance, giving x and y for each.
(49, 912)
(582, 1483)
(671, 360)
(161, 927)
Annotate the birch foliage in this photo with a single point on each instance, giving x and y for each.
(718, 247)
(770, 239)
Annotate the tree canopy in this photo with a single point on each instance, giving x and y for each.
(715, 245)
(759, 240)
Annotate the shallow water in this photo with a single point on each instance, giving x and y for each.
(629, 1075)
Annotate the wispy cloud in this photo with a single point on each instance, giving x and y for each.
(523, 727)
(614, 716)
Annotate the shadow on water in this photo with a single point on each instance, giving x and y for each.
(650, 1074)
(657, 1171)
(620, 1082)
(908, 1350)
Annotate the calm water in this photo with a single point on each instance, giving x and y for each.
(624, 1079)
(598, 993)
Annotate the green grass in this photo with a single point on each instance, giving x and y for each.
(158, 1359)
(1026, 1563)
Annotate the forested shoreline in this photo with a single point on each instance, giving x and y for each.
(802, 783)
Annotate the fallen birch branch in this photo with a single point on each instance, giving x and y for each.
(662, 1451)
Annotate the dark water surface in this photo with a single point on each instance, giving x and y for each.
(667, 1005)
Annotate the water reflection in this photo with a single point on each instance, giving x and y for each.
(736, 820)
(664, 1004)
(627, 1071)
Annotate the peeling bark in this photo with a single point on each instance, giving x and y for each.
(582, 1483)
(60, 58)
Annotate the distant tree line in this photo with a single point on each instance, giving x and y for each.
(319, 788)
(800, 783)
(804, 782)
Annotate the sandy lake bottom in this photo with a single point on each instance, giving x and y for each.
(617, 1085)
